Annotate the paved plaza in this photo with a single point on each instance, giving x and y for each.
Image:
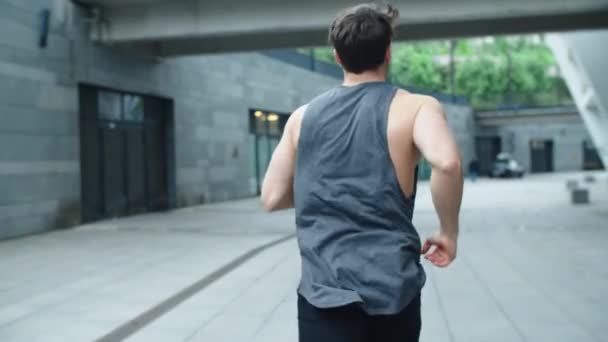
(531, 267)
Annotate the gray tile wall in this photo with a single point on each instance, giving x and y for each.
(39, 169)
(461, 121)
(39, 144)
(567, 143)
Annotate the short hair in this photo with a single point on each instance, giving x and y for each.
(362, 34)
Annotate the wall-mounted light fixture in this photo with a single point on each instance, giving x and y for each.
(45, 22)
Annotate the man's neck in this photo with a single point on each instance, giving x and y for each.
(351, 79)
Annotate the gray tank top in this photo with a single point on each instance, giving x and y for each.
(354, 224)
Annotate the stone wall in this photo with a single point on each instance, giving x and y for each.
(39, 137)
(462, 122)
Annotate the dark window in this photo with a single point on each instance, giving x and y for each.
(133, 108)
(274, 125)
(269, 124)
(266, 128)
(109, 106)
(115, 106)
(259, 123)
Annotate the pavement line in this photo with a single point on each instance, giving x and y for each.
(137, 323)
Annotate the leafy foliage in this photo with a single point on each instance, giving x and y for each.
(490, 71)
(414, 65)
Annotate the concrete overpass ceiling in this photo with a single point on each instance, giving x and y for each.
(121, 3)
(529, 5)
(176, 27)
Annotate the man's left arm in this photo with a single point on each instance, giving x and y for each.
(277, 188)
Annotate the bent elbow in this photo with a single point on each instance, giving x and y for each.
(268, 202)
(451, 166)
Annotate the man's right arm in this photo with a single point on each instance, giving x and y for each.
(434, 140)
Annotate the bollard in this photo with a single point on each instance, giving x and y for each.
(579, 196)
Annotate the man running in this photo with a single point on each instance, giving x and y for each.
(347, 162)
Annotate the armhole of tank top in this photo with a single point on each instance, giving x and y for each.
(412, 198)
(406, 198)
(302, 116)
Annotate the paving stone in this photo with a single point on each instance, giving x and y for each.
(530, 268)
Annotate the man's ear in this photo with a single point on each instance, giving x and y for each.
(389, 53)
(337, 57)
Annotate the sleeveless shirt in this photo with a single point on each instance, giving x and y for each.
(354, 224)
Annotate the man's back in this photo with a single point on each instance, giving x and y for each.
(347, 162)
(353, 218)
(402, 113)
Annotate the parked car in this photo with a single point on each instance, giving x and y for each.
(506, 167)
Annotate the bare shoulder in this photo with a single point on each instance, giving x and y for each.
(412, 103)
(402, 97)
(428, 104)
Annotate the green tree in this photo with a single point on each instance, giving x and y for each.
(414, 66)
(482, 69)
(484, 77)
(481, 79)
(530, 77)
(325, 54)
(463, 48)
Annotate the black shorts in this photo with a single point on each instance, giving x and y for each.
(351, 324)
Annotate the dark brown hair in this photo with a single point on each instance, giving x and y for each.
(361, 35)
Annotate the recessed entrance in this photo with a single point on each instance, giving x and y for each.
(541, 155)
(126, 152)
(265, 128)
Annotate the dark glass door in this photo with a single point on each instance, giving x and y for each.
(124, 153)
(115, 193)
(156, 168)
(136, 180)
(591, 159)
(266, 129)
(541, 155)
(487, 150)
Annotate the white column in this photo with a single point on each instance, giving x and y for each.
(582, 59)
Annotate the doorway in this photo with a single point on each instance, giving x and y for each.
(591, 159)
(488, 147)
(266, 129)
(541, 155)
(126, 149)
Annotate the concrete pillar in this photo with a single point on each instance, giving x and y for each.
(582, 59)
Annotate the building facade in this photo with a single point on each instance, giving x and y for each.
(541, 139)
(546, 148)
(88, 132)
(78, 124)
